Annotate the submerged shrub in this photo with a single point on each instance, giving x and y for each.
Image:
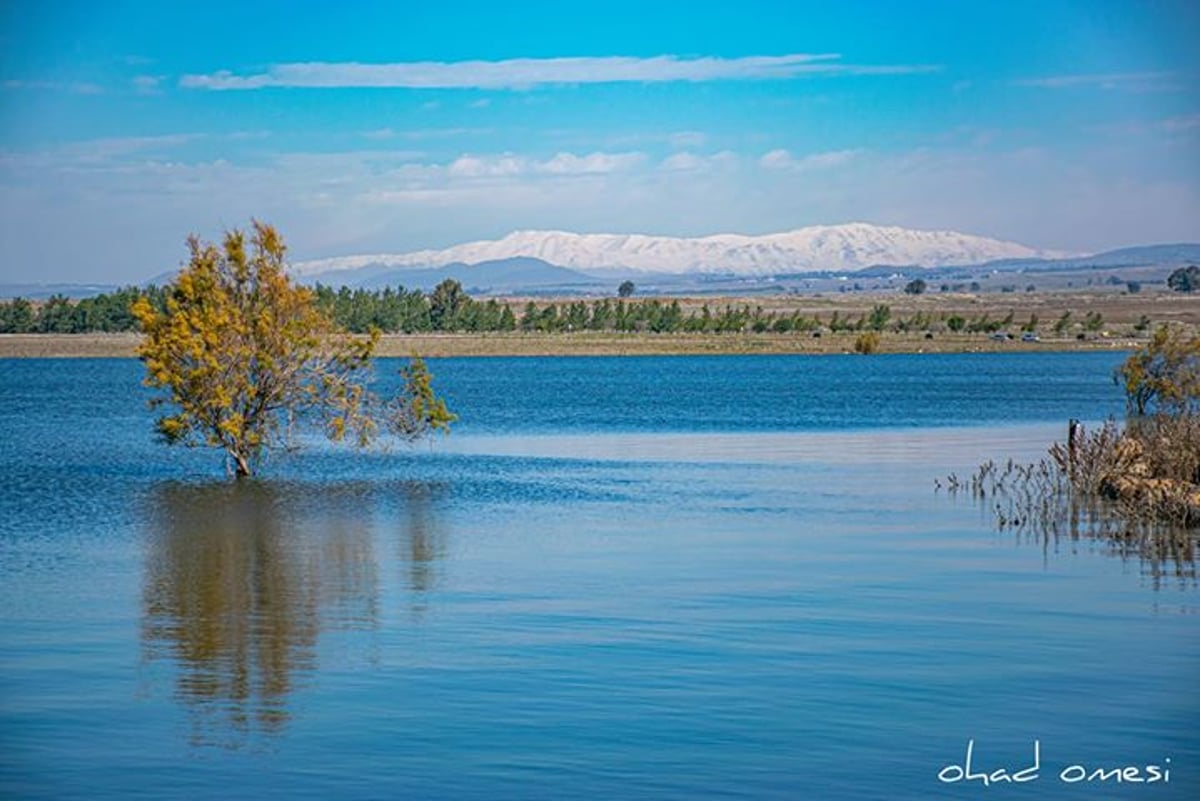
(1137, 487)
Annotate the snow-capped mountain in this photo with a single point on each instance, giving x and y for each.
(816, 248)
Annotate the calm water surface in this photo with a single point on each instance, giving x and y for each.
(658, 578)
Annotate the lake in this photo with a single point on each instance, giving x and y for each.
(626, 578)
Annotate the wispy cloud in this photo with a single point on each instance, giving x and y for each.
(783, 160)
(687, 161)
(1183, 124)
(147, 84)
(592, 163)
(1125, 81)
(118, 154)
(108, 149)
(683, 161)
(687, 139)
(145, 195)
(507, 165)
(527, 73)
(422, 133)
(379, 133)
(488, 166)
(678, 140)
(74, 87)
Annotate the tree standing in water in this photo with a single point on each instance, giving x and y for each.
(244, 356)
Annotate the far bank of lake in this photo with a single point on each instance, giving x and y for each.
(587, 343)
(1096, 320)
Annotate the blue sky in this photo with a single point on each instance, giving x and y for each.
(385, 127)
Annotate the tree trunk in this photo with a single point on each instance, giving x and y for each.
(241, 467)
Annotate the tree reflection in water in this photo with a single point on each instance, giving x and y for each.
(241, 579)
(422, 541)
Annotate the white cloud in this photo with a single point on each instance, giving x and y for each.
(487, 167)
(508, 164)
(778, 160)
(832, 158)
(683, 161)
(526, 73)
(687, 161)
(783, 160)
(570, 164)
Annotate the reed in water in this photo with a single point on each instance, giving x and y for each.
(1135, 486)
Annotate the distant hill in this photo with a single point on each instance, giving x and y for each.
(499, 275)
(1184, 253)
(1142, 256)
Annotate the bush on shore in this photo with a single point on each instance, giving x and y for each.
(1136, 485)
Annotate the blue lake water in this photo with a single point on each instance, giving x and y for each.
(628, 578)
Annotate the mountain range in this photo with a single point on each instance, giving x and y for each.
(550, 262)
(833, 248)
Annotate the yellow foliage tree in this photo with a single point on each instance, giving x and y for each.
(243, 355)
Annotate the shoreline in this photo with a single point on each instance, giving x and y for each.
(122, 345)
(1126, 323)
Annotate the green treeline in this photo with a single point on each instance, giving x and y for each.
(449, 309)
(61, 315)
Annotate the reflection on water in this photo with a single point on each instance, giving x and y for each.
(878, 446)
(1038, 503)
(422, 540)
(241, 579)
(1164, 552)
(624, 594)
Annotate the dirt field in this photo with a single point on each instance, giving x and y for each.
(1120, 312)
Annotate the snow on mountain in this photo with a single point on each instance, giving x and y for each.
(816, 248)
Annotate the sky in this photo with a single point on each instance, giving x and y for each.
(387, 127)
